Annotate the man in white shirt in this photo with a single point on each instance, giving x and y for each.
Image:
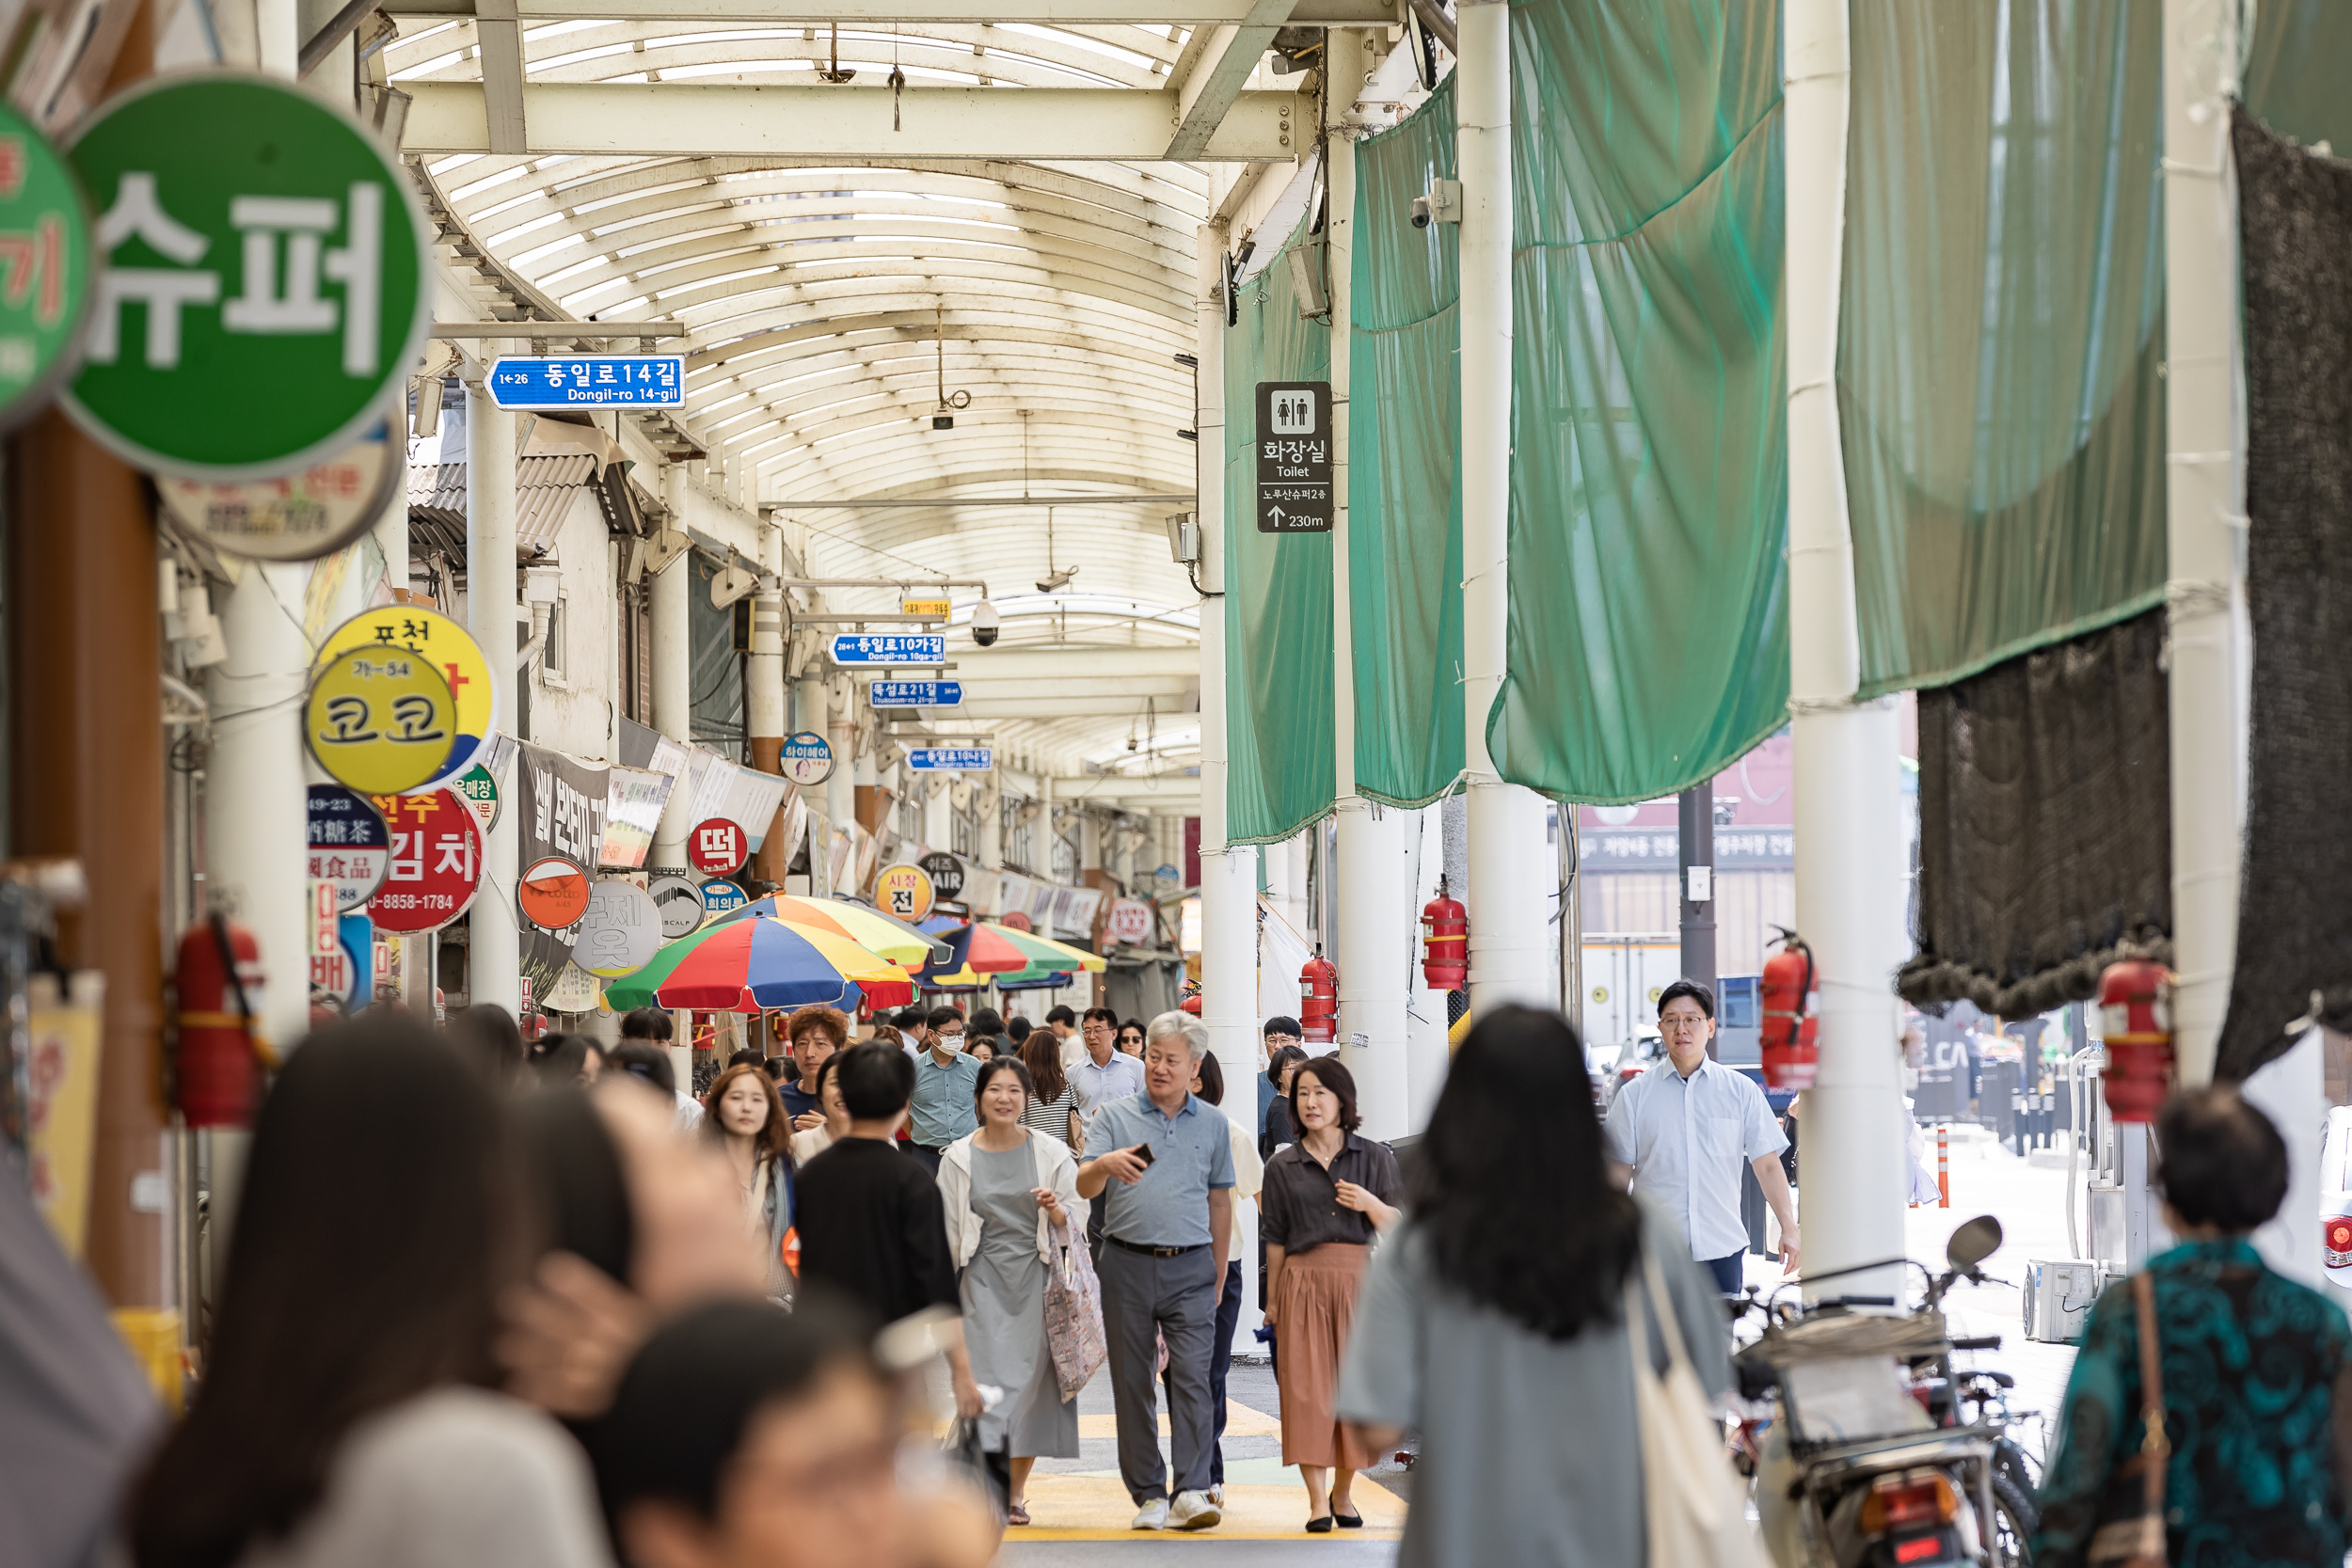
(1100, 1077)
(1064, 1023)
(1681, 1132)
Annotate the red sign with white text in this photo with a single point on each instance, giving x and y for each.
(718, 846)
(436, 861)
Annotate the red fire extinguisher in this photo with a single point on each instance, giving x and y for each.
(221, 1053)
(2136, 1007)
(1445, 941)
(1791, 1052)
(1319, 1000)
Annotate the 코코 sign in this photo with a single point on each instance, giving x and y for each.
(263, 296)
(1294, 457)
(45, 289)
(453, 650)
(380, 721)
(589, 381)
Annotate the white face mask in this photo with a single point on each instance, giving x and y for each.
(950, 1043)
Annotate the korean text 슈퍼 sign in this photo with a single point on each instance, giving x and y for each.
(858, 647)
(1294, 457)
(263, 290)
(590, 381)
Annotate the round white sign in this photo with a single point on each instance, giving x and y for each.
(299, 517)
(808, 758)
(620, 933)
(680, 898)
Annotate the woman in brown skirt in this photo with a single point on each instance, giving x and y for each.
(1325, 1197)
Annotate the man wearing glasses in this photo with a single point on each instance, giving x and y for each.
(1679, 1137)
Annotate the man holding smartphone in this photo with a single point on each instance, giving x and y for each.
(1166, 1185)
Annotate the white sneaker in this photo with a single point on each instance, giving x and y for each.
(1153, 1516)
(1217, 1495)
(1194, 1511)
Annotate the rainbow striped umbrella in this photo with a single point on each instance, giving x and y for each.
(875, 932)
(982, 949)
(742, 966)
(1045, 952)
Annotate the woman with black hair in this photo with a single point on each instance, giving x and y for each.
(1325, 1198)
(744, 1118)
(1273, 1124)
(565, 1061)
(1493, 1322)
(1011, 1199)
(348, 1415)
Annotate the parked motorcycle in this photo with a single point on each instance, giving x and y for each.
(1870, 1459)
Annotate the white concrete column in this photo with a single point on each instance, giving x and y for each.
(2204, 489)
(277, 30)
(1848, 803)
(1508, 934)
(840, 729)
(672, 690)
(494, 943)
(1372, 939)
(257, 847)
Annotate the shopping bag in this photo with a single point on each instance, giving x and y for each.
(1073, 1320)
(1696, 1511)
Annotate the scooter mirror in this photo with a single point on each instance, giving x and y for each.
(1973, 1242)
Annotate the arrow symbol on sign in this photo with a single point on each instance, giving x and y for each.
(1274, 513)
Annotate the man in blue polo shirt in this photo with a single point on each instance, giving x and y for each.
(942, 1109)
(1166, 1182)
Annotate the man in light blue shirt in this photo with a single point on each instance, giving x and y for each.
(942, 1109)
(1680, 1131)
(1164, 1181)
(1102, 1076)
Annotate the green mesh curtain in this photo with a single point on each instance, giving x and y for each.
(1404, 496)
(2298, 70)
(1281, 772)
(2001, 328)
(1648, 639)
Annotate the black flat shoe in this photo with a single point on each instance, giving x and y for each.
(1319, 1527)
(1349, 1521)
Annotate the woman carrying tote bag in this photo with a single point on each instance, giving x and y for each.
(1494, 1322)
(2228, 1443)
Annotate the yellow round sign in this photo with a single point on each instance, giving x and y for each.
(380, 721)
(450, 650)
(903, 890)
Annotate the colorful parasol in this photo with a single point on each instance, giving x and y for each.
(877, 933)
(983, 949)
(1045, 951)
(744, 965)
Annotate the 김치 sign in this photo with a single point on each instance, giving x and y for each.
(589, 381)
(436, 863)
(380, 722)
(264, 293)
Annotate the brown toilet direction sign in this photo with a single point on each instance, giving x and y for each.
(1294, 457)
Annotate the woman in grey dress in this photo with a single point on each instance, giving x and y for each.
(1492, 1317)
(1011, 1197)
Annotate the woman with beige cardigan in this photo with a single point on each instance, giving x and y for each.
(1012, 1205)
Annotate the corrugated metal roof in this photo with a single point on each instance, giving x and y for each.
(544, 489)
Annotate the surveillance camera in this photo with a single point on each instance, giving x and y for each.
(1420, 212)
(985, 624)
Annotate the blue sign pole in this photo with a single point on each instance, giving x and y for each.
(589, 381)
(908, 648)
(915, 694)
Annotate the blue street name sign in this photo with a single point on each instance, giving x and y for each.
(915, 694)
(951, 759)
(590, 381)
(921, 647)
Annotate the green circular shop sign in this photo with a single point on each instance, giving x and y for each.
(44, 267)
(265, 290)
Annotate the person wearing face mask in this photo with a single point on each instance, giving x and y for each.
(941, 1110)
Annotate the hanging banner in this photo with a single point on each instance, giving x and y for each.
(472, 681)
(621, 932)
(265, 278)
(380, 721)
(435, 865)
(46, 225)
(560, 822)
(61, 1068)
(350, 845)
(574, 992)
(632, 806)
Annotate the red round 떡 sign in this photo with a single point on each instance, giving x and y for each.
(718, 846)
(436, 862)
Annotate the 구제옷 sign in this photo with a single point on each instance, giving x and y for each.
(45, 288)
(436, 863)
(588, 381)
(263, 290)
(620, 933)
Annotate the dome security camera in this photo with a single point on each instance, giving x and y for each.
(1420, 212)
(985, 624)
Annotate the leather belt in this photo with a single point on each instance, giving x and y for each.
(1156, 1251)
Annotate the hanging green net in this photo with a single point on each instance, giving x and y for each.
(2001, 328)
(1648, 639)
(1404, 493)
(2298, 70)
(1280, 764)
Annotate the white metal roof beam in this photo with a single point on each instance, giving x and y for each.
(596, 119)
(1051, 13)
(498, 30)
(1220, 59)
